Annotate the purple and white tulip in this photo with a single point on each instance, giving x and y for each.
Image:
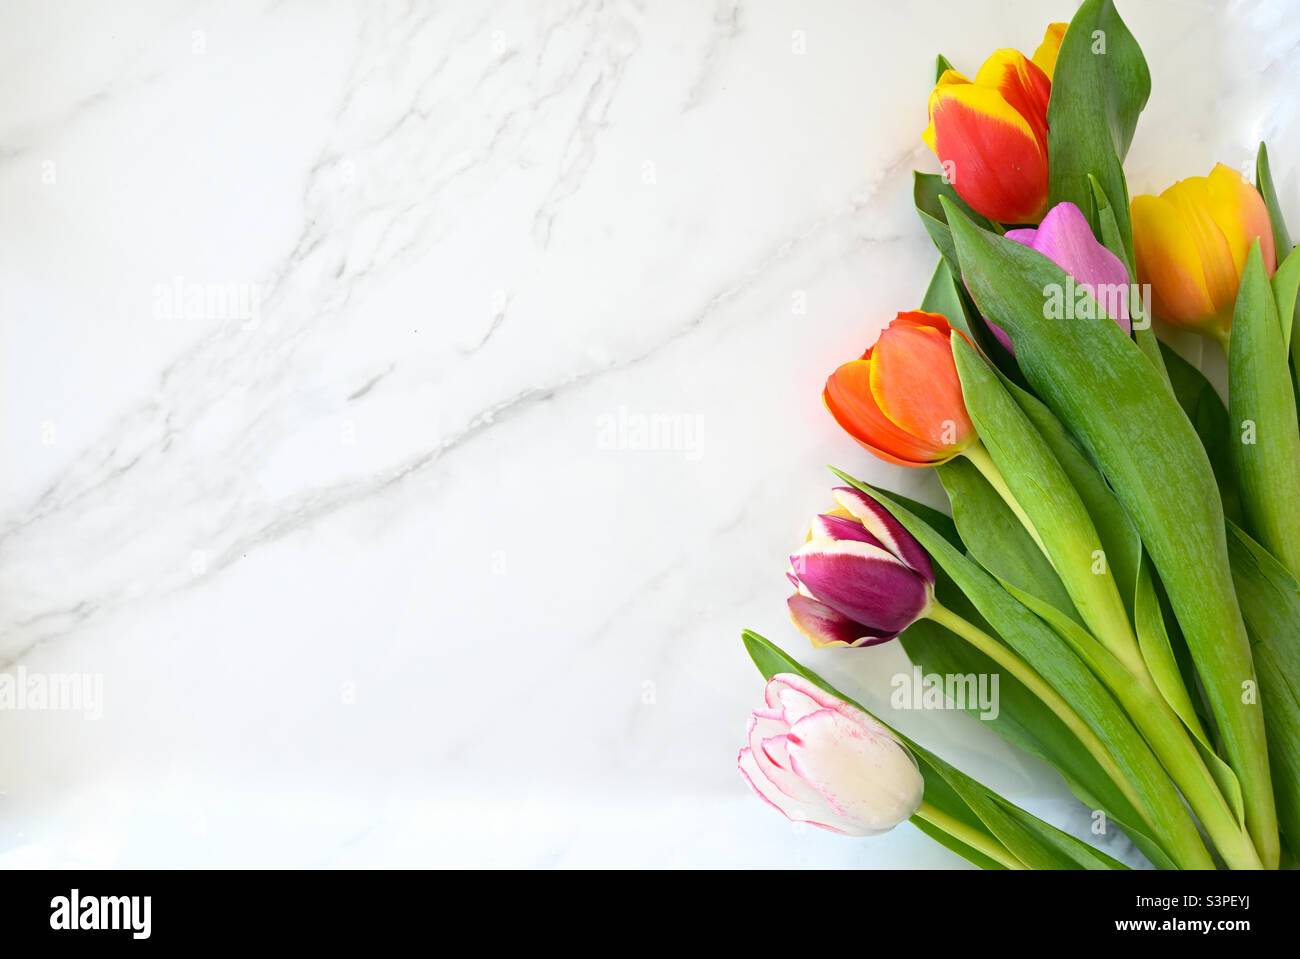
(861, 578)
(820, 760)
(1065, 238)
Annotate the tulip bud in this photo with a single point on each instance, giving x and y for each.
(902, 400)
(991, 136)
(1190, 244)
(820, 760)
(861, 578)
(1065, 238)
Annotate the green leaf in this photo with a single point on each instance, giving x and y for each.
(1261, 405)
(1149, 344)
(945, 294)
(940, 65)
(1295, 371)
(1264, 183)
(1284, 279)
(1270, 600)
(1044, 492)
(1119, 538)
(1186, 665)
(1108, 229)
(927, 188)
(1121, 542)
(1052, 658)
(1158, 653)
(995, 537)
(1286, 283)
(1205, 409)
(1139, 310)
(951, 842)
(1022, 718)
(1034, 842)
(1107, 393)
(1099, 87)
(942, 296)
(1188, 759)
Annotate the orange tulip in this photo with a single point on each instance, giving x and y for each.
(1190, 245)
(902, 400)
(991, 136)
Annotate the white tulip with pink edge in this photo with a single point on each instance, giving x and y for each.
(820, 760)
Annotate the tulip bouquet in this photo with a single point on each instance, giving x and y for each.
(1122, 548)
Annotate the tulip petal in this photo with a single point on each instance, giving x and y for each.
(829, 526)
(1000, 334)
(862, 772)
(891, 533)
(794, 703)
(825, 627)
(1191, 198)
(1166, 257)
(815, 813)
(1045, 56)
(767, 738)
(949, 77)
(1241, 215)
(1065, 238)
(1022, 84)
(796, 696)
(848, 398)
(934, 321)
(865, 583)
(772, 755)
(1191, 242)
(995, 159)
(914, 381)
(837, 512)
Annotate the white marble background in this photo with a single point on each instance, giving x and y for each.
(365, 554)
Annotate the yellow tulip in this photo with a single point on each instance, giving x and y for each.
(1190, 245)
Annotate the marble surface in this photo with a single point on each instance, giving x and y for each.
(404, 406)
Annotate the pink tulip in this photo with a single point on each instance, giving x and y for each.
(820, 760)
(1065, 238)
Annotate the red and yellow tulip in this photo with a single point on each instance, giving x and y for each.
(902, 400)
(1190, 245)
(991, 134)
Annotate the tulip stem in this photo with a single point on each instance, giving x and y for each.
(1095, 595)
(1120, 665)
(973, 838)
(1035, 683)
